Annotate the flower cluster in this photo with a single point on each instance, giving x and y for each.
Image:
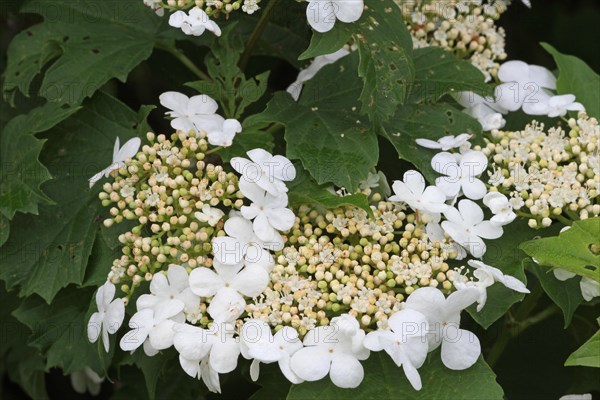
(548, 175)
(233, 271)
(346, 261)
(466, 28)
(194, 17)
(522, 86)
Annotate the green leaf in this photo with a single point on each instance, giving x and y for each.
(327, 42)
(273, 384)
(323, 130)
(285, 36)
(304, 190)
(59, 331)
(90, 43)
(587, 355)
(46, 253)
(565, 294)
(504, 254)
(414, 121)
(384, 380)
(229, 85)
(22, 173)
(386, 65)
(438, 72)
(4, 229)
(571, 250)
(576, 77)
(24, 365)
(154, 368)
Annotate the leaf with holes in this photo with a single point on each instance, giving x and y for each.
(438, 72)
(46, 253)
(386, 65)
(433, 121)
(575, 250)
(86, 44)
(324, 130)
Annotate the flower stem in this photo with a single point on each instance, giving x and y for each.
(257, 33)
(178, 54)
(512, 324)
(213, 150)
(564, 220)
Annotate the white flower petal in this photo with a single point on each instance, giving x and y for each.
(224, 355)
(251, 281)
(320, 15)
(311, 363)
(346, 371)
(349, 10)
(460, 349)
(94, 326)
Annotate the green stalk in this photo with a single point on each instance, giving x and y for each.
(189, 64)
(257, 33)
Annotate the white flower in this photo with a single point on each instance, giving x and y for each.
(210, 215)
(553, 106)
(483, 109)
(224, 134)
(250, 6)
(462, 174)
(153, 328)
(467, 227)
(259, 343)
(405, 342)
(315, 66)
(413, 192)
(333, 350)
(445, 143)
(522, 83)
(194, 23)
(589, 288)
(208, 352)
(460, 348)
(486, 116)
(267, 171)
(269, 212)
(586, 396)
(322, 14)
(156, 6)
(128, 150)
(243, 246)
(198, 113)
(227, 285)
(500, 207)
(109, 317)
(86, 380)
(486, 276)
(171, 288)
